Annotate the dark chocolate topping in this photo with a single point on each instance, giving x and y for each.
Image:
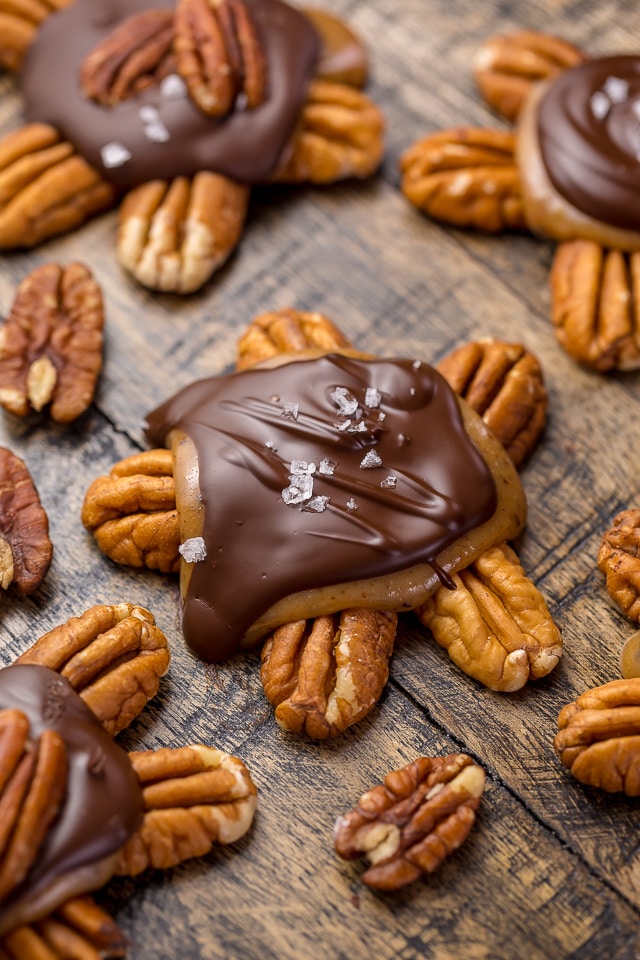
(103, 803)
(383, 441)
(589, 134)
(245, 146)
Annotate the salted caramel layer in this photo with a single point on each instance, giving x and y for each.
(321, 472)
(102, 805)
(588, 127)
(160, 133)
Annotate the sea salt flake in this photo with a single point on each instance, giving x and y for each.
(599, 104)
(302, 466)
(149, 114)
(416, 364)
(389, 483)
(156, 132)
(412, 391)
(173, 87)
(316, 505)
(351, 504)
(370, 460)
(359, 427)
(270, 445)
(616, 89)
(114, 154)
(327, 467)
(193, 550)
(381, 416)
(372, 398)
(291, 410)
(345, 402)
(342, 425)
(300, 489)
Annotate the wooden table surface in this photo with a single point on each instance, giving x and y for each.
(552, 869)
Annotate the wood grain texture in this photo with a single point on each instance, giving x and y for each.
(552, 869)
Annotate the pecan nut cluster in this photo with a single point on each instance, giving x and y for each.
(192, 797)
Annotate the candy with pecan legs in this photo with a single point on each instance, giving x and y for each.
(186, 105)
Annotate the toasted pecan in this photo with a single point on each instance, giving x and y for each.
(287, 331)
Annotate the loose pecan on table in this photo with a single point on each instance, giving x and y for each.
(598, 737)
(287, 331)
(172, 236)
(19, 23)
(466, 177)
(25, 548)
(324, 675)
(112, 655)
(407, 825)
(595, 305)
(507, 66)
(619, 561)
(495, 625)
(78, 930)
(503, 382)
(132, 512)
(46, 188)
(51, 343)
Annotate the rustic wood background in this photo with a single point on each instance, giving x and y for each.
(552, 869)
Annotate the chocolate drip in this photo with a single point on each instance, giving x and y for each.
(589, 134)
(391, 479)
(245, 146)
(103, 802)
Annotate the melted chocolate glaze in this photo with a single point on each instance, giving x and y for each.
(249, 427)
(245, 146)
(103, 802)
(589, 134)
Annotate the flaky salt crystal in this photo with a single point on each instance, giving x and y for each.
(302, 466)
(616, 89)
(327, 467)
(114, 154)
(270, 445)
(300, 489)
(342, 425)
(316, 504)
(291, 410)
(156, 132)
(599, 104)
(351, 504)
(389, 482)
(193, 550)
(370, 460)
(372, 398)
(345, 402)
(173, 87)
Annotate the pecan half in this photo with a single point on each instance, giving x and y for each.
(45, 187)
(507, 67)
(413, 820)
(174, 236)
(32, 786)
(324, 675)
(503, 382)
(595, 305)
(19, 23)
(25, 548)
(599, 737)
(113, 656)
(619, 561)
(495, 625)
(340, 135)
(194, 797)
(136, 55)
(287, 331)
(465, 177)
(219, 55)
(132, 512)
(51, 343)
(80, 929)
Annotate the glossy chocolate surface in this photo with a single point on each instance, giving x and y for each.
(103, 803)
(162, 131)
(315, 473)
(589, 135)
